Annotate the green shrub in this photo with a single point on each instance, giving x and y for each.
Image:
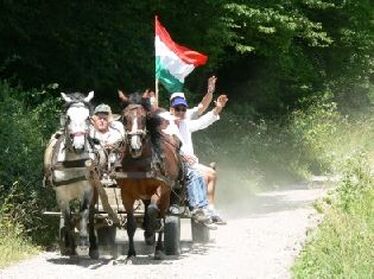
(342, 246)
(27, 120)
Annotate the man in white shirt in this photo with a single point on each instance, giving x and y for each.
(110, 133)
(197, 111)
(183, 129)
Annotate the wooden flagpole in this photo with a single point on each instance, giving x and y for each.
(156, 80)
(156, 92)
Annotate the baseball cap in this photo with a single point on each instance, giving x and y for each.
(177, 94)
(179, 101)
(103, 108)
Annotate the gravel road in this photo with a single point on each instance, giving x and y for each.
(261, 242)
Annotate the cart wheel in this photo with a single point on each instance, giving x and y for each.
(172, 232)
(200, 233)
(107, 235)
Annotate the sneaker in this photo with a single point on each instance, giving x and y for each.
(174, 209)
(209, 224)
(199, 215)
(218, 220)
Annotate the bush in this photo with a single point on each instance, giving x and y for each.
(342, 245)
(27, 120)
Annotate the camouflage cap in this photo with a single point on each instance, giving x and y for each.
(103, 108)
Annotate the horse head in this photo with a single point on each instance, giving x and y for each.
(76, 120)
(136, 109)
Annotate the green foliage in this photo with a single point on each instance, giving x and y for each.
(268, 53)
(14, 246)
(357, 186)
(316, 129)
(342, 245)
(25, 130)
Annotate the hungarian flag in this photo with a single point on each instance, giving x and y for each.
(173, 62)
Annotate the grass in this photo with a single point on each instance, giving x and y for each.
(342, 247)
(13, 246)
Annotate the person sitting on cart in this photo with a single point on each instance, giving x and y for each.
(109, 133)
(186, 126)
(197, 200)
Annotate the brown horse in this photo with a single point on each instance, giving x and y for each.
(146, 175)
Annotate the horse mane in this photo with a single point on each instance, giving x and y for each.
(138, 99)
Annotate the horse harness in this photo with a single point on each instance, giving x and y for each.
(62, 165)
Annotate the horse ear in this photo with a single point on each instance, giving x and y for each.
(122, 96)
(89, 97)
(66, 98)
(146, 93)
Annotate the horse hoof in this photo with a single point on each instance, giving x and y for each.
(159, 255)
(68, 252)
(129, 260)
(149, 239)
(94, 254)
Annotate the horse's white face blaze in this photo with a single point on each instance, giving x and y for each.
(135, 138)
(78, 125)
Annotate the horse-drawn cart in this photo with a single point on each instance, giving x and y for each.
(111, 216)
(73, 165)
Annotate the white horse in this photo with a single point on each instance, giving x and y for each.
(70, 175)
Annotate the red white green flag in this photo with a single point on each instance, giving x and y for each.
(173, 62)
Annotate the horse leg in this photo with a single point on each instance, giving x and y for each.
(63, 234)
(163, 204)
(94, 249)
(128, 203)
(67, 243)
(131, 228)
(159, 250)
(149, 236)
(84, 214)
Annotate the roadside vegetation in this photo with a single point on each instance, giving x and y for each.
(342, 246)
(25, 128)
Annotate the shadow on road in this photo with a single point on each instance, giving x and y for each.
(145, 255)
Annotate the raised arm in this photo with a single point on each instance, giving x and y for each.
(220, 104)
(207, 99)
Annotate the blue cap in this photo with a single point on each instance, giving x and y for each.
(179, 101)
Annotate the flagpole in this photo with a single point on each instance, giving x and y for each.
(156, 92)
(156, 80)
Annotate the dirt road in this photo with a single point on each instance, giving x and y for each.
(261, 242)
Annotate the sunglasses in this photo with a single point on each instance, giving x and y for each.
(182, 109)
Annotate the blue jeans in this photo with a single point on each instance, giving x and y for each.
(196, 189)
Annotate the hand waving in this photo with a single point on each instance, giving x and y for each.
(221, 101)
(211, 84)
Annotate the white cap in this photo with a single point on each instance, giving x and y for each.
(177, 94)
(167, 116)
